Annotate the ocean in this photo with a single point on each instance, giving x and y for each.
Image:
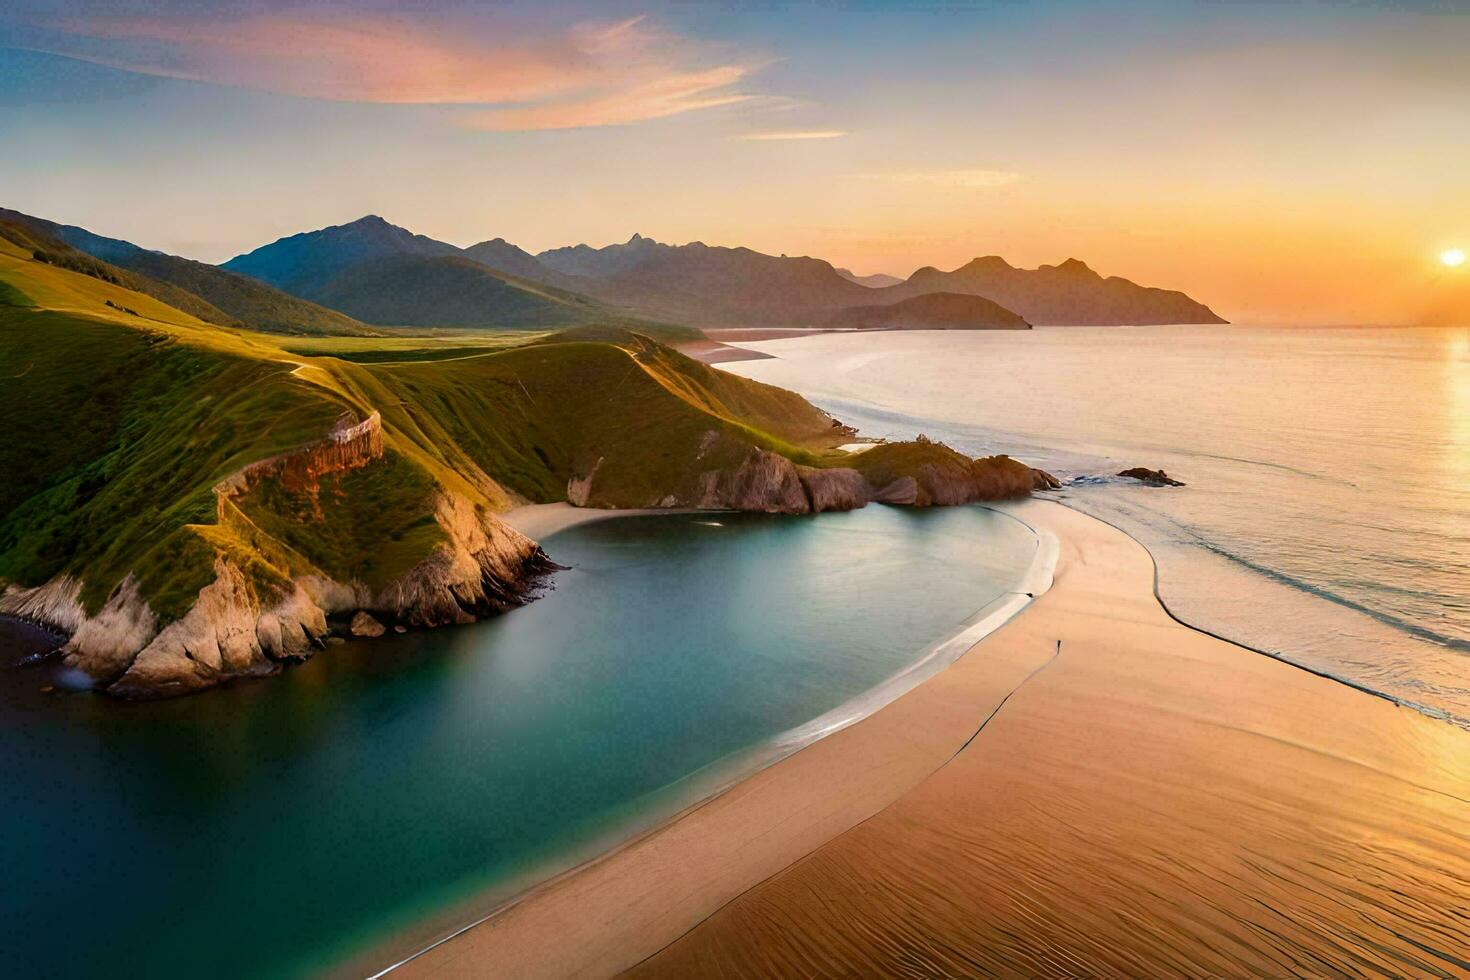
(1326, 518)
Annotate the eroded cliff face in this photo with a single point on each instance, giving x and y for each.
(837, 488)
(763, 481)
(728, 474)
(349, 446)
(288, 526)
(484, 567)
(245, 623)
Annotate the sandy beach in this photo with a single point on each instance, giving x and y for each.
(1093, 789)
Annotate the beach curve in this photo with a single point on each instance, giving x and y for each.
(542, 521)
(1140, 777)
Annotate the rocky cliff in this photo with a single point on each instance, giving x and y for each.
(916, 474)
(268, 604)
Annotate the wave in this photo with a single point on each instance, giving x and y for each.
(1428, 710)
(1075, 464)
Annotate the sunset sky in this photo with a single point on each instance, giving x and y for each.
(1298, 162)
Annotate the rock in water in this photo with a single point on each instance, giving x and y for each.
(1154, 478)
(1042, 480)
(365, 625)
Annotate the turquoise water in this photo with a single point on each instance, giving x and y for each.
(278, 826)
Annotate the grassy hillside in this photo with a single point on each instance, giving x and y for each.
(209, 292)
(25, 240)
(157, 459)
(449, 291)
(251, 304)
(125, 415)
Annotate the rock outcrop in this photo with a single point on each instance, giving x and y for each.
(764, 481)
(485, 567)
(902, 492)
(733, 475)
(225, 634)
(1154, 478)
(363, 625)
(237, 629)
(837, 488)
(1042, 480)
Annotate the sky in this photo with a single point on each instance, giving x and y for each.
(1282, 162)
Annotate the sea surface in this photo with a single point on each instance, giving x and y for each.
(280, 826)
(1327, 514)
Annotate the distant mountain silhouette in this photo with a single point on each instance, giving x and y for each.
(503, 256)
(695, 284)
(708, 285)
(387, 275)
(306, 263)
(598, 263)
(1070, 293)
(932, 311)
(876, 281)
(714, 286)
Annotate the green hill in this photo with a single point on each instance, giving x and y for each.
(189, 502)
(34, 242)
(450, 291)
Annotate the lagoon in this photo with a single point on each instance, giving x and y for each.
(284, 826)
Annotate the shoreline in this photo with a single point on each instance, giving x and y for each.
(685, 888)
(728, 774)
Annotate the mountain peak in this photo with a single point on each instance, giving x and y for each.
(988, 263)
(1075, 266)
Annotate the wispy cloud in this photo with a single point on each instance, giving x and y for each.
(974, 179)
(803, 134)
(525, 76)
(658, 96)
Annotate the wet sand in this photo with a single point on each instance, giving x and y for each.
(1094, 789)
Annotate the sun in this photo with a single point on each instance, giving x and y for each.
(1452, 257)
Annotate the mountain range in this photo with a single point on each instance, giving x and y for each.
(387, 275)
(712, 286)
(366, 275)
(1069, 293)
(877, 281)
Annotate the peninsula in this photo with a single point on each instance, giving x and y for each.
(222, 493)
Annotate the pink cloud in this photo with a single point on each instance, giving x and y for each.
(587, 74)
